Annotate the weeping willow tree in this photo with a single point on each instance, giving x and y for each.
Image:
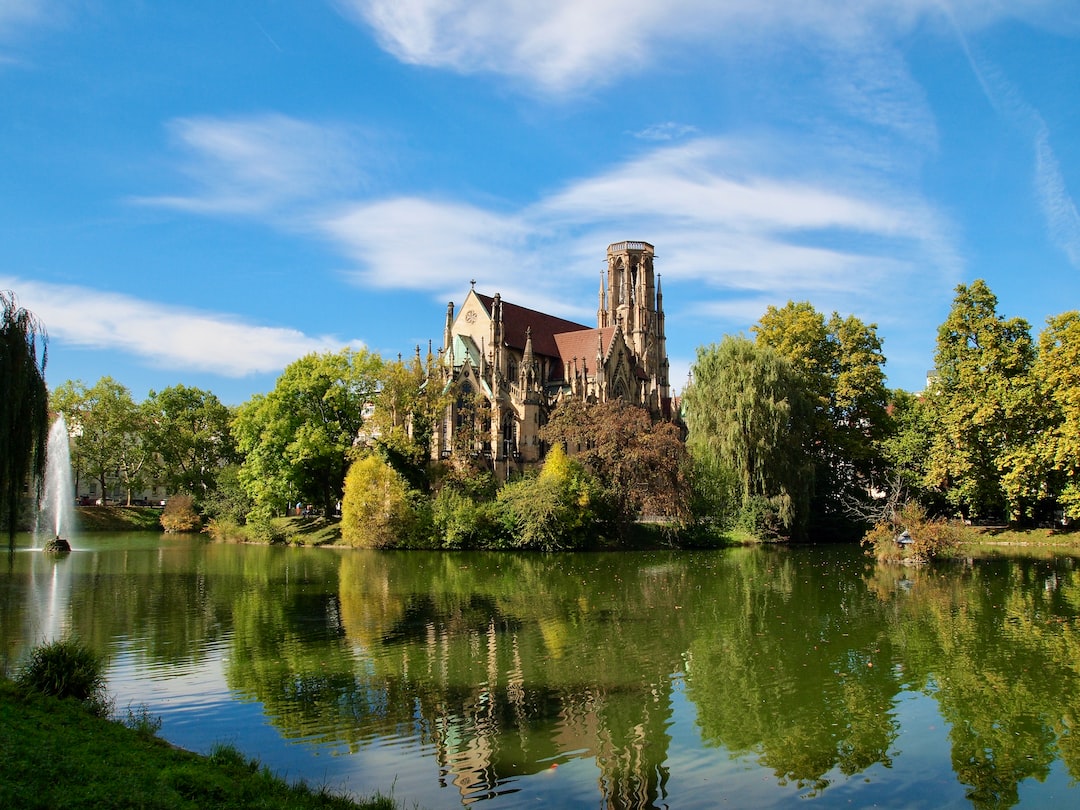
(24, 407)
(747, 414)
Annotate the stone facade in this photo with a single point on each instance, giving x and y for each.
(506, 367)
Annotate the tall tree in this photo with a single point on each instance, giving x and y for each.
(296, 441)
(1058, 372)
(981, 404)
(189, 430)
(748, 411)
(24, 408)
(402, 420)
(107, 433)
(841, 365)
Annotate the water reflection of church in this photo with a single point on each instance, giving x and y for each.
(509, 365)
(487, 738)
(500, 688)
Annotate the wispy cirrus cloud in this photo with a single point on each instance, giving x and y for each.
(1050, 189)
(163, 336)
(563, 45)
(721, 220)
(744, 217)
(666, 131)
(1058, 205)
(257, 164)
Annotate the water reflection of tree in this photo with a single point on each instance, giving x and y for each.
(997, 644)
(794, 673)
(506, 665)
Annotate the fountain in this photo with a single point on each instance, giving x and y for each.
(56, 512)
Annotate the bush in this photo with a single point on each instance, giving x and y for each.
(459, 522)
(561, 508)
(377, 511)
(930, 538)
(179, 515)
(66, 669)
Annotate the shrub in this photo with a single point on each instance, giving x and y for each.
(179, 515)
(459, 522)
(142, 722)
(66, 669)
(376, 511)
(561, 508)
(930, 538)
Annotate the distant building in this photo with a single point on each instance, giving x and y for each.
(508, 366)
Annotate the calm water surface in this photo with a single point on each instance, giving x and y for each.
(739, 678)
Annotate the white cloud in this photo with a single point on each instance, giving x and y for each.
(256, 164)
(413, 243)
(163, 336)
(1051, 191)
(666, 131)
(560, 45)
(737, 226)
(1059, 208)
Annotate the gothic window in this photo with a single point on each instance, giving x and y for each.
(512, 369)
(464, 406)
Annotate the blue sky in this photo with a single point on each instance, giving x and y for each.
(199, 192)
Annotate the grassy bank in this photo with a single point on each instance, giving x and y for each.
(57, 755)
(117, 518)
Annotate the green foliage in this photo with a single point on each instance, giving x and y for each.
(459, 521)
(142, 722)
(747, 414)
(24, 411)
(180, 515)
(189, 431)
(377, 511)
(226, 500)
(562, 508)
(982, 406)
(1058, 372)
(66, 669)
(108, 433)
(840, 366)
(296, 441)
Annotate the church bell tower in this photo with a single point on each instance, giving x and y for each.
(633, 301)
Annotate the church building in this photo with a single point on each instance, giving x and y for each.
(507, 367)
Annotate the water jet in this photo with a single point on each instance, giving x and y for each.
(56, 511)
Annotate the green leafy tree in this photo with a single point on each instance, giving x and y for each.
(297, 440)
(189, 430)
(841, 365)
(982, 406)
(642, 465)
(107, 432)
(24, 411)
(747, 411)
(1058, 372)
(402, 420)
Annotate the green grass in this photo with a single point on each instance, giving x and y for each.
(117, 518)
(58, 755)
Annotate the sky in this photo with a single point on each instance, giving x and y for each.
(200, 193)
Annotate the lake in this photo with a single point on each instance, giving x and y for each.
(750, 677)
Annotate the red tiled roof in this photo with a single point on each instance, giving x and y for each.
(517, 319)
(582, 344)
